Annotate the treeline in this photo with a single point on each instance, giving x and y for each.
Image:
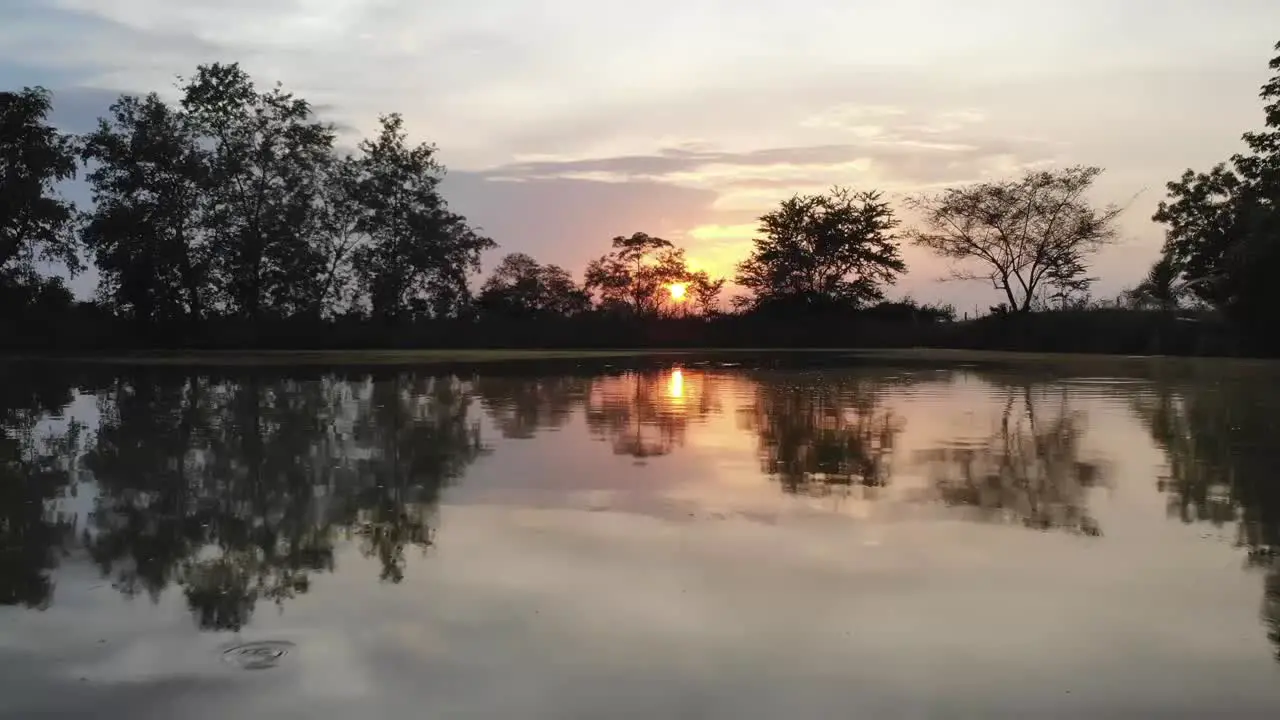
(231, 219)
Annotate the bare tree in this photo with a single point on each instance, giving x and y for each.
(1023, 235)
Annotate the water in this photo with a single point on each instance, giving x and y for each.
(699, 540)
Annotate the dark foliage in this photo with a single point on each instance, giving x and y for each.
(1223, 238)
(819, 252)
(36, 224)
(229, 220)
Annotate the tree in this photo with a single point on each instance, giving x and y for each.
(340, 236)
(520, 287)
(637, 274)
(1024, 235)
(705, 292)
(416, 254)
(36, 224)
(1223, 226)
(1204, 218)
(234, 203)
(265, 166)
(37, 470)
(144, 230)
(1161, 288)
(836, 249)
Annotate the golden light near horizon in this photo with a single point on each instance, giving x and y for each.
(678, 291)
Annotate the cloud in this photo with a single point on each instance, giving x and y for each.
(51, 43)
(897, 161)
(669, 161)
(734, 188)
(854, 118)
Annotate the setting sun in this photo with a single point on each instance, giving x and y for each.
(677, 291)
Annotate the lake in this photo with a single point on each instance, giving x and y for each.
(660, 537)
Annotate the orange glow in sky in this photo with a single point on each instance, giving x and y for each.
(678, 291)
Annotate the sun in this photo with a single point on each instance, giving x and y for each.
(677, 291)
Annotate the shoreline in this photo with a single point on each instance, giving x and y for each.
(437, 357)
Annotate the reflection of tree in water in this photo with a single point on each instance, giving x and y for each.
(647, 413)
(417, 439)
(1271, 606)
(1219, 440)
(822, 432)
(36, 469)
(237, 489)
(155, 505)
(208, 485)
(521, 406)
(1027, 471)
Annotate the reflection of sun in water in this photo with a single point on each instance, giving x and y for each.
(676, 386)
(678, 291)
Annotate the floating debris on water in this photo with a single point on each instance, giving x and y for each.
(257, 655)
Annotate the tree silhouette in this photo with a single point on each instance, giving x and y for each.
(36, 224)
(234, 203)
(705, 293)
(833, 250)
(266, 153)
(1023, 235)
(144, 231)
(521, 288)
(636, 275)
(417, 254)
(1223, 225)
(1162, 288)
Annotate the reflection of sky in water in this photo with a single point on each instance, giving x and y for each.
(716, 467)
(567, 580)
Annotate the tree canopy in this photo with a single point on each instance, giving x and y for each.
(36, 223)
(145, 229)
(637, 274)
(836, 249)
(1025, 235)
(520, 287)
(235, 202)
(416, 254)
(234, 215)
(1223, 226)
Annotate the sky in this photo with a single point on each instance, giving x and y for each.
(564, 124)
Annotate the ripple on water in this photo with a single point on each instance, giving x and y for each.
(258, 655)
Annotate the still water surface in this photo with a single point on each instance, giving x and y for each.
(693, 540)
